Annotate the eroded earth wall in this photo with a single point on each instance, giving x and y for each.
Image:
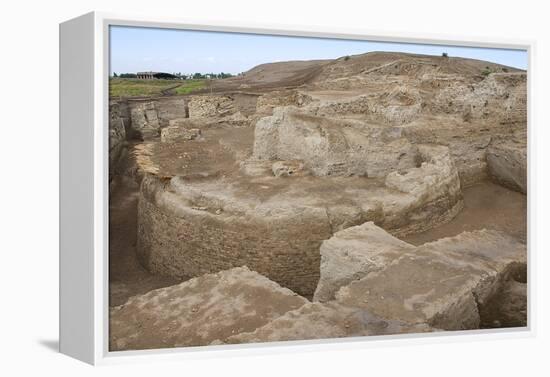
(182, 240)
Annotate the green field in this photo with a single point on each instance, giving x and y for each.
(190, 86)
(119, 87)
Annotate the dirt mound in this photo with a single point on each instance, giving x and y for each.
(273, 75)
(396, 63)
(284, 71)
(357, 71)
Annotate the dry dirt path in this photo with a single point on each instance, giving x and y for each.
(170, 91)
(127, 277)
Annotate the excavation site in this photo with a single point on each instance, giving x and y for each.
(374, 194)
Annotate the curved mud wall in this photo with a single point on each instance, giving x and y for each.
(177, 238)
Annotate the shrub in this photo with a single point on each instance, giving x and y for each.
(486, 71)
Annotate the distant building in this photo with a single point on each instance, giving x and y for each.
(155, 75)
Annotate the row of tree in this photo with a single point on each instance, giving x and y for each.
(221, 75)
(180, 76)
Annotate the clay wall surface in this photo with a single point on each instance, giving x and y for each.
(196, 242)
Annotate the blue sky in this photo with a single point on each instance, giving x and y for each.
(136, 49)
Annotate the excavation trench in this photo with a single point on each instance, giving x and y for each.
(128, 277)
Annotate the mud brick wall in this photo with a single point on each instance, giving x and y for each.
(171, 108)
(185, 242)
(177, 238)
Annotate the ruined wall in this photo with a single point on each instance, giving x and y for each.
(145, 120)
(171, 108)
(507, 161)
(464, 113)
(399, 106)
(124, 114)
(498, 98)
(210, 106)
(277, 98)
(337, 137)
(187, 229)
(467, 144)
(446, 284)
(330, 146)
(436, 189)
(235, 109)
(479, 113)
(117, 138)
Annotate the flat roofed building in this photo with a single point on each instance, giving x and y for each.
(155, 75)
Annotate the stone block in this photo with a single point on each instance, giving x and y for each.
(199, 311)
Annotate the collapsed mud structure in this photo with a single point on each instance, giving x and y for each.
(305, 173)
(275, 224)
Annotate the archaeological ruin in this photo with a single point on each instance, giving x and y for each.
(321, 199)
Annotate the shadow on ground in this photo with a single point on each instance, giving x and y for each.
(52, 345)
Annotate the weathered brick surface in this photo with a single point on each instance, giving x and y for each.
(507, 162)
(210, 106)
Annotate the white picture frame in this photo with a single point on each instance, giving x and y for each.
(84, 61)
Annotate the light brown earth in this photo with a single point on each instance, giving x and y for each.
(325, 321)
(486, 205)
(445, 284)
(127, 277)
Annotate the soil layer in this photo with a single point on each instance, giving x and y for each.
(486, 205)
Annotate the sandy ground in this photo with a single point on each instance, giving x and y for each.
(486, 205)
(126, 276)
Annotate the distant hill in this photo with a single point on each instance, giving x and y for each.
(314, 72)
